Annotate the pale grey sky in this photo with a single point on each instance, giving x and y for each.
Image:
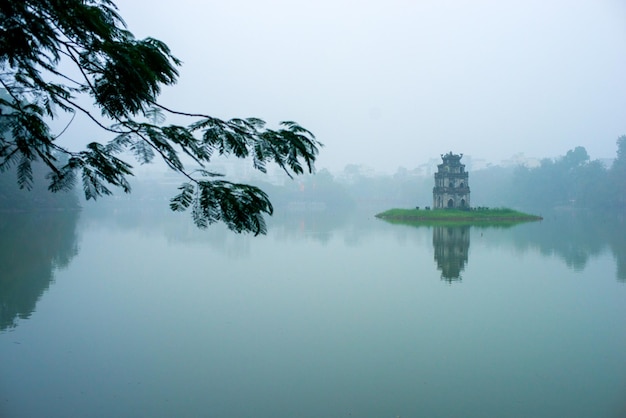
(396, 82)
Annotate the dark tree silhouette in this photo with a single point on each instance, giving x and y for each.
(123, 76)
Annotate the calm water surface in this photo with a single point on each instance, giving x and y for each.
(140, 314)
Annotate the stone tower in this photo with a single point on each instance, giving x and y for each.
(451, 184)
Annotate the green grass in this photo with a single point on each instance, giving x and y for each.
(480, 216)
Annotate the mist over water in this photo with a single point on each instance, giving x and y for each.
(330, 314)
(125, 309)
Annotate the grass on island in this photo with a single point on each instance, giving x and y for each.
(478, 216)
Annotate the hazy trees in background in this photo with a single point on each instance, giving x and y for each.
(492, 186)
(317, 192)
(404, 188)
(571, 180)
(553, 183)
(617, 175)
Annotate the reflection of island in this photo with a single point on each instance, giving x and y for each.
(451, 248)
(31, 247)
(576, 236)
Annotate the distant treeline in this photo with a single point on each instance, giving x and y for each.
(572, 180)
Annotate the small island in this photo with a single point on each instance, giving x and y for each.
(482, 216)
(451, 202)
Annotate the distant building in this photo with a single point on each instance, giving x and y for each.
(451, 184)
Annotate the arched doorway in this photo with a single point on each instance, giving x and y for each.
(450, 203)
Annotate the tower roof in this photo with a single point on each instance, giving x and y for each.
(450, 157)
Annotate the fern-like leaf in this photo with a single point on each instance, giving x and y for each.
(182, 201)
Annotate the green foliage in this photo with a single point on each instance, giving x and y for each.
(573, 180)
(123, 76)
(451, 217)
(483, 212)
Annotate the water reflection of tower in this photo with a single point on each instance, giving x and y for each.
(451, 248)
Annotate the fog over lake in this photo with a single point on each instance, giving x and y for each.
(138, 313)
(334, 111)
(394, 83)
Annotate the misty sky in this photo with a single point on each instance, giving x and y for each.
(394, 83)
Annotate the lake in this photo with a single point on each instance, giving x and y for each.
(139, 314)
